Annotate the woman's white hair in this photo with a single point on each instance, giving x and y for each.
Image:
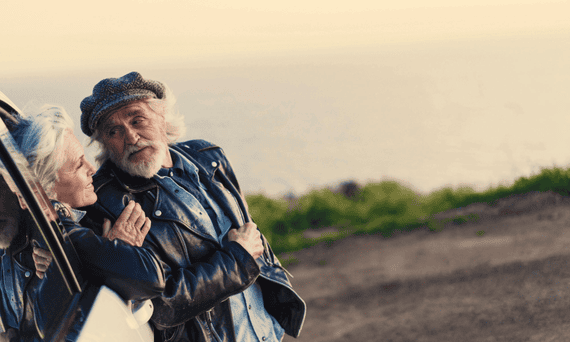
(166, 107)
(40, 137)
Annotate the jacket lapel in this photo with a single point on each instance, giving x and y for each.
(167, 208)
(219, 187)
(174, 208)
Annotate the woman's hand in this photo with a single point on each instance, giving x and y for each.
(131, 226)
(42, 260)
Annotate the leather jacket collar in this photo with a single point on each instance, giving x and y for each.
(130, 183)
(134, 184)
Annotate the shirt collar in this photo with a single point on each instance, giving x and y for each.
(77, 215)
(180, 164)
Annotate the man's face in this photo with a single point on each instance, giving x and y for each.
(136, 138)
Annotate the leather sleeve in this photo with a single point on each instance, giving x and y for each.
(132, 272)
(199, 287)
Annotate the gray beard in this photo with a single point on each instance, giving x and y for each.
(145, 168)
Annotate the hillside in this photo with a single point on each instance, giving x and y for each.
(504, 277)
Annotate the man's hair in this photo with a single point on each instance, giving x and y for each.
(175, 127)
(40, 137)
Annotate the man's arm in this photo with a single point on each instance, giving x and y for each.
(201, 286)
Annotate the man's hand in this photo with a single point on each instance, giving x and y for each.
(249, 237)
(42, 259)
(131, 226)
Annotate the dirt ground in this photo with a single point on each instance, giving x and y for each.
(505, 277)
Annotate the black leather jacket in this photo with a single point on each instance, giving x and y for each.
(201, 274)
(133, 272)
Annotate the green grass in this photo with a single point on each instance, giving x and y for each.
(379, 208)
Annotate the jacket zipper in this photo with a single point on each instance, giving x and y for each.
(211, 326)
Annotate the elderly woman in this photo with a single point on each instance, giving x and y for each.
(57, 159)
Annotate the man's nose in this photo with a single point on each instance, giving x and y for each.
(131, 136)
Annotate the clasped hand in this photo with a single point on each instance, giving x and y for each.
(132, 226)
(249, 237)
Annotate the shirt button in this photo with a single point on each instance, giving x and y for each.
(249, 307)
(214, 164)
(171, 173)
(27, 274)
(158, 213)
(263, 338)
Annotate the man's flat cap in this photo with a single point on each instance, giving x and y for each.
(113, 93)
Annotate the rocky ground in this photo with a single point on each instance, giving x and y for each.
(505, 277)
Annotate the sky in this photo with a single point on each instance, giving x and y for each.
(307, 94)
(44, 36)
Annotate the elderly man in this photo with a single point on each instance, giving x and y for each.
(223, 281)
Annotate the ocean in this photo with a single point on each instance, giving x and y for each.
(477, 112)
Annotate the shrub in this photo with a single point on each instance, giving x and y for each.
(382, 207)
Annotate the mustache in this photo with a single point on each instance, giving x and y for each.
(139, 146)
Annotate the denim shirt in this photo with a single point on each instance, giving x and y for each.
(251, 320)
(77, 215)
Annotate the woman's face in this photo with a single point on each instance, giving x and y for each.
(74, 185)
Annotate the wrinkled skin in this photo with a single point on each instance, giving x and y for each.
(131, 226)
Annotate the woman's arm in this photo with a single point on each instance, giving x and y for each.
(132, 226)
(133, 272)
